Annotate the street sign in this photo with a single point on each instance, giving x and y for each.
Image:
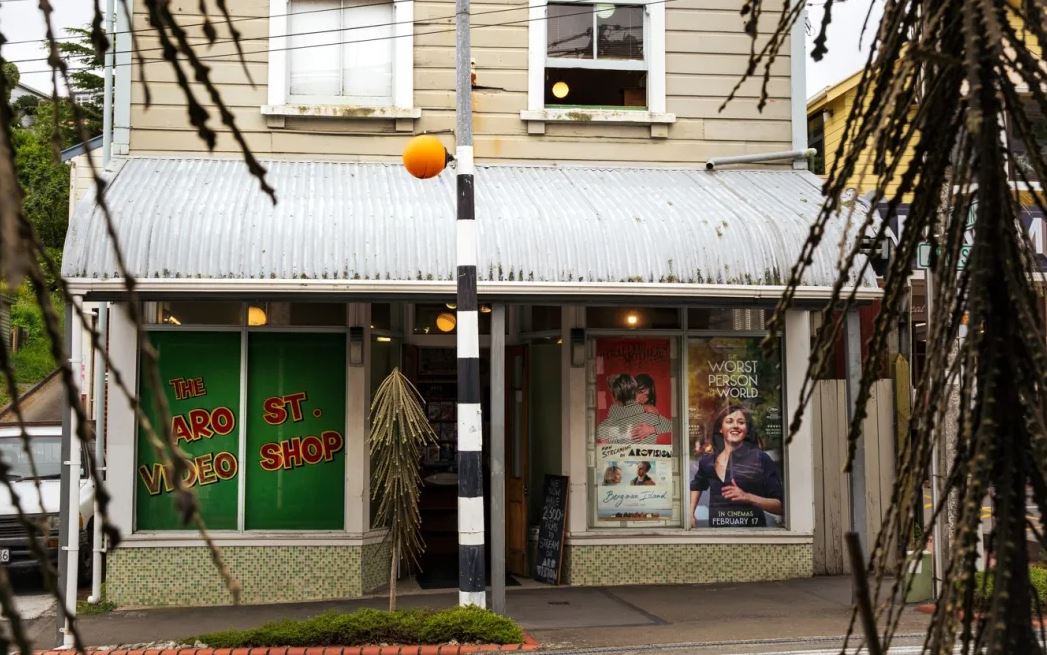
(923, 256)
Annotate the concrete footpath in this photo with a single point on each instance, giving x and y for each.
(560, 618)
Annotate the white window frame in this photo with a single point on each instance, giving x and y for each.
(280, 103)
(654, 63)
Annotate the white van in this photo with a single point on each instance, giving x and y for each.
(37, 483)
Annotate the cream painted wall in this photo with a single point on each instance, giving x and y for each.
(799, 460)
(706, 53)
(120, 420)
(80, 179)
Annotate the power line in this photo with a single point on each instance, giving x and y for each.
(217, 21)
(237, 59)
(287, 36)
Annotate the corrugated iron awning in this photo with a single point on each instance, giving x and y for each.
(205, 219)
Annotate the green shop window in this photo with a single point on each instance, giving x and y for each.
(295, 431)
(200, 377)
(289, 446)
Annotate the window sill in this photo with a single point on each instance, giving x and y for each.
(658, 121)
(404, 116)
(665, 535)
(191, 538)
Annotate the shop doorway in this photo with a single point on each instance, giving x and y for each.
(433, 370)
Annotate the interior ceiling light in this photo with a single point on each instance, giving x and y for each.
(256, 316)
(560, 89)
(451, 306)
(485, 309)
(631, 319)
(445, 322)
(605, 11)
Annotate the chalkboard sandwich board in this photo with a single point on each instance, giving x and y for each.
(551, 530)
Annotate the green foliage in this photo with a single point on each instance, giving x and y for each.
(85, 80)
(917, 539)
(983, 589)
(31, 364)
(44, 180)
(42, 176)
(369, 626)
(470, 624)
(11, 76)
(85, 62)
(24, 109)
(84, 608)
(33, 361)
(55, 124)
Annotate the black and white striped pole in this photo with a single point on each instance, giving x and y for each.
(425, 157)
(471, 567)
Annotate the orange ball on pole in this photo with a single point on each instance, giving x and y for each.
(424, 156)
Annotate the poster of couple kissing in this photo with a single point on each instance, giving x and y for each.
(634, 429)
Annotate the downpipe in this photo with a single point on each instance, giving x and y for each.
(70, 510)
(790, 155)
(99, 411)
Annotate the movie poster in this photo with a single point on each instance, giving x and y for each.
(634, 439)
(736, 425)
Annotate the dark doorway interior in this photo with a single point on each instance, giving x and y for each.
(434, 373)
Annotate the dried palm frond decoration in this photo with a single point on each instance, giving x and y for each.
(943, 80)
(400, 433)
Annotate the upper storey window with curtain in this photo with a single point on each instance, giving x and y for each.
(329, 56)
(340, 49)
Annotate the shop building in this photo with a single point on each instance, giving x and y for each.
(269, 374)
(624, 288)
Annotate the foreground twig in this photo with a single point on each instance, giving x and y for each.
(861, 593)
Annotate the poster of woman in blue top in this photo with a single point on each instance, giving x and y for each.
(742, 480)
(735, 434)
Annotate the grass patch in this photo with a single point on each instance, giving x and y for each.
(368, 626)
(84, 608)
(984, 586)
(33, 361)
(31, 364)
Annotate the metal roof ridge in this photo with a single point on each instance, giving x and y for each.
(594, 166)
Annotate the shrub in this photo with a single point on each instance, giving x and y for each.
(1037, 578)
(369, 626)
(470, 624)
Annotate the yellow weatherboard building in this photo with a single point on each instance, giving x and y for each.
(827, 113)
